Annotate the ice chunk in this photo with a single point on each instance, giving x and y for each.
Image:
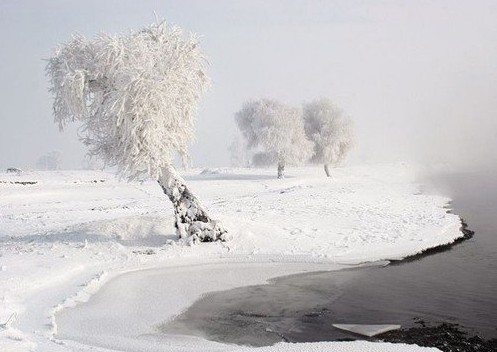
(367, 329)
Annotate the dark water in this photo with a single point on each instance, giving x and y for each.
(456, 286)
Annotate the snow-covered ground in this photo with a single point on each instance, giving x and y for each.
(64, 234)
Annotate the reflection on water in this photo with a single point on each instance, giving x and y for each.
(457, 286)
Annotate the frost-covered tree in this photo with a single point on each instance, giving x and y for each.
(136, 96)
(274, 129)
(238, 152)
(49, 161)
(331, 131)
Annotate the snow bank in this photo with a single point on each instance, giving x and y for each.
(61, 230)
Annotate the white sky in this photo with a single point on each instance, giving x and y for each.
(419, 77)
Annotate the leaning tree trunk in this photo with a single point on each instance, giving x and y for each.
(191, 218)
(281, 170)
(327, 170)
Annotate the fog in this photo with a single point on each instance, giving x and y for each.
(419, 78)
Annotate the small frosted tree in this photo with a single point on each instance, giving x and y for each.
(136, 96)
(276, 130)
(49, 161)
(330, 130)
(238, 152)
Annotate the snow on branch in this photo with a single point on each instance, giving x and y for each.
(135, 94)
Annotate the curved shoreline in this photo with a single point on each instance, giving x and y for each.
(467, 234)
(317, 267)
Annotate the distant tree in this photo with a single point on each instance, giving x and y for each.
(238, 152)
(330, 130)
(92, 163)
(263, 159)
(136, 96)
(275, 129)
(49, 161)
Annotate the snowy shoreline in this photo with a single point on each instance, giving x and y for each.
(72, 232)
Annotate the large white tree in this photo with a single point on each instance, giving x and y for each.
(331, 131)
(276, 130)
(136, 96)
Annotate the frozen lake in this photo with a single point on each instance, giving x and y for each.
(456, 286)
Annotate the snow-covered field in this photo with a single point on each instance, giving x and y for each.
(64, 234)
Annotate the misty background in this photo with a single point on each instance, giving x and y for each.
(419, 77)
